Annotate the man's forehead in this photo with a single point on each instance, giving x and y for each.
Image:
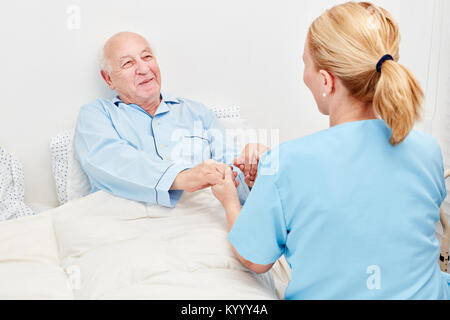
(125, 44)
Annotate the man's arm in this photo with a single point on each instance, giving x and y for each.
(116, 166)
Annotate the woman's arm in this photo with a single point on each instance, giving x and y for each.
(232, 214)
(226, 193)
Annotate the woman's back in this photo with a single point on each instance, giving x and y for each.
(361, 214)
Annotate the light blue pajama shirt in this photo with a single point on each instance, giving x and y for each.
(354, 216)
(128, 153)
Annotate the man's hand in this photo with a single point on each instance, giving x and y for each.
(248, 161)
(203, 176)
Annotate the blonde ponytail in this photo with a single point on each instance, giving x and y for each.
(348, 40)
(397, 100)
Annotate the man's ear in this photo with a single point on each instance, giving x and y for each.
(107, 78)
(328, 81)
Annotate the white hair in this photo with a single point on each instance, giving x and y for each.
(102, 61)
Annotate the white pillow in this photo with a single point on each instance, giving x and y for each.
(71, 181)
(12, 190)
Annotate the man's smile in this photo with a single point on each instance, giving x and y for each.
(144, 82)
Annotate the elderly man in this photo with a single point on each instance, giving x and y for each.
(145, 145)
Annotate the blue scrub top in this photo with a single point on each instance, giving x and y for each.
(354, 216)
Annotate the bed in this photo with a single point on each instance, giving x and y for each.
(98, 246)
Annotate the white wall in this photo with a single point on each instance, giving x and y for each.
(437, 120)
(222, 53)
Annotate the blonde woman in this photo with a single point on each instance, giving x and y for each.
(353, 208)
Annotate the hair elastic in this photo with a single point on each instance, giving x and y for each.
(382, 60)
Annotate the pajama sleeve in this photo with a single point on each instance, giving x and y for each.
(116, 166)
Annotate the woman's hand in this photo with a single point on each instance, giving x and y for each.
(225, 190)
(248, 161)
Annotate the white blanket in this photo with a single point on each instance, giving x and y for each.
(112, 248)
(29, 261)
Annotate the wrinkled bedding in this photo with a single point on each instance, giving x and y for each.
(105, 247)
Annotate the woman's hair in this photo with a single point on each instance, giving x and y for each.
(348, 41)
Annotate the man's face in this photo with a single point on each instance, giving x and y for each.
(134, 72)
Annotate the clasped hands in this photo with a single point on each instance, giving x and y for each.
(220, 176)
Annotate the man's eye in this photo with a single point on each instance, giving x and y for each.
(126, 64)
(148, 57)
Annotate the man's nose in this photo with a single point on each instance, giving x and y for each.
(142, 68)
